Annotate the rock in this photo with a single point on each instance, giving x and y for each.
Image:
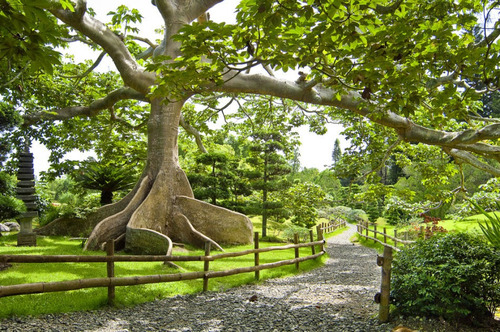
(66, 226)
(13, 225)
(219, 224)
(4, 228)
(142, 241)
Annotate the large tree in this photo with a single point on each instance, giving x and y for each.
(402, 65)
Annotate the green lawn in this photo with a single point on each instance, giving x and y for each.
(469, 225)
(94, 298)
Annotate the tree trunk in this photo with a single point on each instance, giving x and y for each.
(106, 197)
(163, 209)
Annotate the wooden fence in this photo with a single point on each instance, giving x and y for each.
(364, 229)
(332, 225)
(111, 281)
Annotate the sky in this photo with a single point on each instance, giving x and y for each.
(315, 150)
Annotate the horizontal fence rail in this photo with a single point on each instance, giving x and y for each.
(333, 225)
(363, 229)
(111, 281)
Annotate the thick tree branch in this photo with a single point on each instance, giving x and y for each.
(472, 160)
(133, 75)
(192, 131)
(468, 140)
(86, 111)
(197, 8)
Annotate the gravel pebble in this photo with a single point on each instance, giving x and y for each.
(335, 297)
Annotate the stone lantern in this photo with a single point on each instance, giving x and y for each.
(26, 192)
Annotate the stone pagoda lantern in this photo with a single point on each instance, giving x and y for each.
(26, 192)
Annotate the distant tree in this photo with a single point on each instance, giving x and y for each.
(267, 158)
(213, 178)
(337, 152)
(295, 162)
(303, 199)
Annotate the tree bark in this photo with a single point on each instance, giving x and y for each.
(163, 210)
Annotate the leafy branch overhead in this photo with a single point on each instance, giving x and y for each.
(394, 73)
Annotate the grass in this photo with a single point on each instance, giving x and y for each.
(94, 298)
(469, 224)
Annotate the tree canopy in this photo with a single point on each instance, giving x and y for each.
(395, 73)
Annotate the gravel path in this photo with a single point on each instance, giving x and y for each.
(335, 297)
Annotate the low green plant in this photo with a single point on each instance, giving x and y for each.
(291, 230)
(453, 276)
(491, 226)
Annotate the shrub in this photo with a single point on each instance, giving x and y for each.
(291, 230)
(10, 207)
(339, 212)
(454, 276)
(356, 215)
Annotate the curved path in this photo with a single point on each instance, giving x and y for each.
(335, 297)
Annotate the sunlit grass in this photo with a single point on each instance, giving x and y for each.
(93, 298)
(469, 224)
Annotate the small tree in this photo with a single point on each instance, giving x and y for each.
(266, 156)
(105, 177)
(302, 200)
(337, 152)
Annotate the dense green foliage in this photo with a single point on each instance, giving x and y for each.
(454, 276)
(107, 177)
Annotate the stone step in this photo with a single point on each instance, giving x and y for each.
(25, 176)
(25, 170)
(25, 191)
(31, 206)
(26, 184)
(29, 214)
(25, 165)
(25, 159)
(27, 198)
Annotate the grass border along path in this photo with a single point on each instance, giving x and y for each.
(94, 298)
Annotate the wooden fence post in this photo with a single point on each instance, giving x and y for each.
(296, 241)
(206, 266)
(110, 266)
(320, 237)
(311, 238)
(366, 225)
(385, 287)
(385, 235)
(256, 256)
(396, 238)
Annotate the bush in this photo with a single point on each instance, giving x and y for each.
(291, 230)
(10, 207)
(338, 212)
(356, 215)
(454, 276)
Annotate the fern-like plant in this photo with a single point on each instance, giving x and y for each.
(491, 226)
